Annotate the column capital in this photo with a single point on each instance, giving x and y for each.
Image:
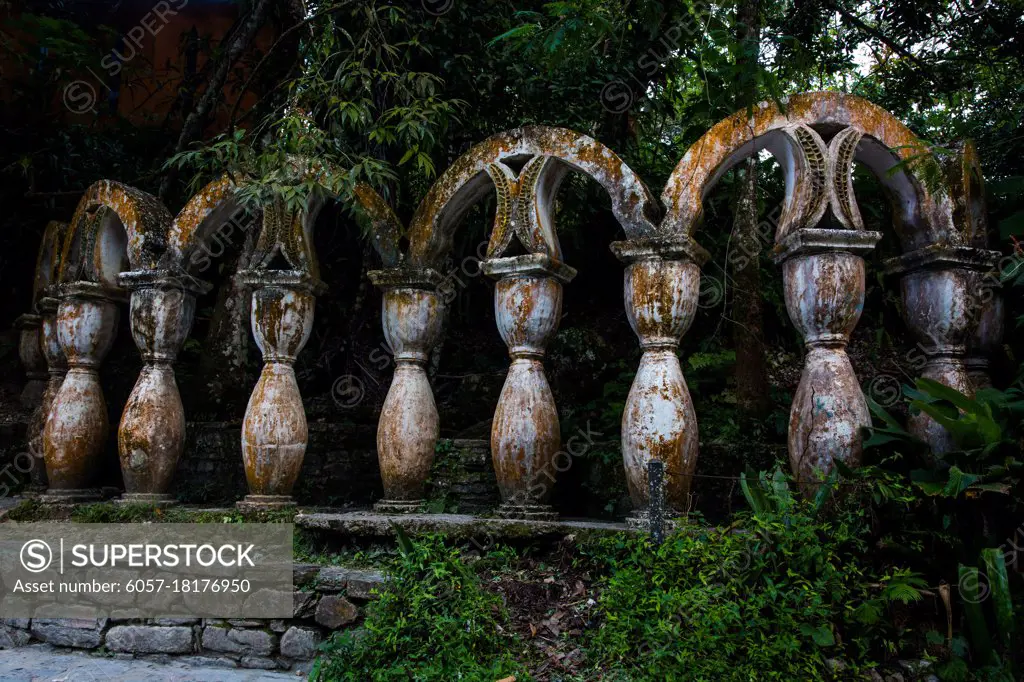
(807, 241)
(90, 291)
(285, 279)
(163, 279)
(680, 247)
(529, 265)
(427, 279)
(943, 257)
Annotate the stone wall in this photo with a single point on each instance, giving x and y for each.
(340, 467)
(326, 599)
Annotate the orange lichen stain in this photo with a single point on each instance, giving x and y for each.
(688, 183)
(633, 204)
(49, 257)
(185, 226)
(144, 218)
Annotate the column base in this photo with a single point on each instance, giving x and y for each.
(265, 502)
(154, 499)
(527, 512)
(58, 496)
(640, 519)
(387, 506)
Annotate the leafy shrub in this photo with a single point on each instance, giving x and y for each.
(780, 594)
(432, 621)
(971, 500)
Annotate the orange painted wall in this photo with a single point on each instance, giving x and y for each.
(148, 70)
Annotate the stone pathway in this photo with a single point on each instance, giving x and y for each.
(43, 663)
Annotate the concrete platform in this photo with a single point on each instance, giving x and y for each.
(462, 526)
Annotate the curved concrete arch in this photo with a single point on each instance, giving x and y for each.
(385, 226)
(218, 204)
(920, 217)
(466, 181)
(967, 192)
(48, 258)
(212, 207)
(95, 248)
(144, 220)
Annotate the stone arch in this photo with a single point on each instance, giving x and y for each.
(386, 227)
(467, 180)
(214, 206)
(967, 193)
(48, 258)
(921, 217)
(120, 220)
(218, 204)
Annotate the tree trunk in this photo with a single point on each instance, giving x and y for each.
(236, 45)
(748, 319)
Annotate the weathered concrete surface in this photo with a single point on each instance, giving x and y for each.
(56, 368)
(42, 663)
(467, 180)
(76, 428)
(943, 291)
(115, 228)
(920, 217)
(151, 435)
(661, 286)
(824, 281)
(462, 526)
(525, 435)
(274, 432)
(986, 340)
(30, 352)
(409, 426)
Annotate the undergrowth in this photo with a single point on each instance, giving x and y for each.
(433, 621)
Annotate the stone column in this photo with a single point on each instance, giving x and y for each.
(662, 284)
(408, 428)
(942, 292)
(31, 353)
(985, 341)
(77, 427)
(55, 368)
(525, 435)
(823, 278)
(274, 432)
(151, 436)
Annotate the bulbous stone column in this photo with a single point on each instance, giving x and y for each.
(984, 343)
(56, 368)
(942, 292)
(274, 432)
(30, 352)
(823, 277)
(77, 426)
(524, 434)
(408, 428)
(662, 284)
(151, 436)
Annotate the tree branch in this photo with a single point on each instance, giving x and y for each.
(193, 125)
(875, 33)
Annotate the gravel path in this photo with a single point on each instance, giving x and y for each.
(43, 663)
